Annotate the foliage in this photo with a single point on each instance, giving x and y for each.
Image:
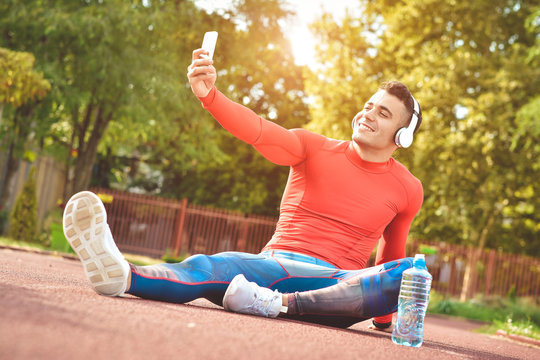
(119, 94)
(21, 87)
(471, 68)
(266, 80)
(112, 62)
(170, 258)
(342, 83)
(24, 215)
(19, 81)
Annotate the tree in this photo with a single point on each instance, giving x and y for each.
(266, 80)
(24, 215)
(114, 69)
(19, 81)
(344, 78)
(20, 87)
(467, 64)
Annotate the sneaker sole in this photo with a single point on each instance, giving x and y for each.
(85, 228)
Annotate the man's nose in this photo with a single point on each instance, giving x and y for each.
(369, 114)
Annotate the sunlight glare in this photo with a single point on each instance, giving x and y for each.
(303, 46)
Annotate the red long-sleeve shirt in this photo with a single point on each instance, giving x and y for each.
(336, 206)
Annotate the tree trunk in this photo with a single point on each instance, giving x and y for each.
(1, 113)
(86, 157)
(12, 167)
(68, 175)
(468, 289)
(13, 156)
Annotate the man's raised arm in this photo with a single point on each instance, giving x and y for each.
(277, 144)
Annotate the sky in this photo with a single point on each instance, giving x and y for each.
(307, 11)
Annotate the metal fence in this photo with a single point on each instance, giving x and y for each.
(495, 273)
(152, 226)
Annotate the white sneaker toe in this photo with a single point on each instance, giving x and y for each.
(247, 297)
(86, 229)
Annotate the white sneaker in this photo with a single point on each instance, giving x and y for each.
(247, 297)
(86, 229)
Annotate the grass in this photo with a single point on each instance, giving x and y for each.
(522, 328)
(62, 247)
(517, 316)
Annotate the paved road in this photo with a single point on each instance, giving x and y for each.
(48, 311)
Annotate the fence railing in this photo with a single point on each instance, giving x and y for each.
(495, 273)
(151, 226)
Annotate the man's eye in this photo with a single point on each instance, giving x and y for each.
(383, 114)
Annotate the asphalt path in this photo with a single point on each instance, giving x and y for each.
(49, 311)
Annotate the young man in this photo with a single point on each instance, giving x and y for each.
(342, 197)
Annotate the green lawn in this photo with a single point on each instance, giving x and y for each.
(519, 316)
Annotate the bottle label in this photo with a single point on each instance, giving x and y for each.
(407, 317)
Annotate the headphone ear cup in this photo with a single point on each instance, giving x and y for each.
(404, 137)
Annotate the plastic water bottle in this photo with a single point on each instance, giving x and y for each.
(412, 305)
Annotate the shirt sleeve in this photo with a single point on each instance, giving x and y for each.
(275, 143)
(392, 243)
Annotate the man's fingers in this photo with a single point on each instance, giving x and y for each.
(202, 63)
(197, 54)
(198, 70)
(201, 77)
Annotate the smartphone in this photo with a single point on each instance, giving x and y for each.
(209, 43)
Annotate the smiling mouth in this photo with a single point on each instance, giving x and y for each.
(366, 127)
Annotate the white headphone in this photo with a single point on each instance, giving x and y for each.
(404, 136)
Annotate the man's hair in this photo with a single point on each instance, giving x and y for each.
(401, 91)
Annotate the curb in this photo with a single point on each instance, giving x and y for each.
(519, 338)
(39, 251)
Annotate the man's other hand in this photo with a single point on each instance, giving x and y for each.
(387, 329)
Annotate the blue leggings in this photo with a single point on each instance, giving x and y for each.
(208, 276)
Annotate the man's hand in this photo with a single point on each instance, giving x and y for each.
(201, 74)
(387, 330)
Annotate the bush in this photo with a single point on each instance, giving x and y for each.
(24, 215)
(169, 257)
(58, 240)
(487, 309)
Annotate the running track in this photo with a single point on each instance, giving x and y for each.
(48, 311)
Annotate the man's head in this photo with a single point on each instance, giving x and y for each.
(388, 110)
(401, 91)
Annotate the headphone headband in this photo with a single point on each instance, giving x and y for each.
(404, 136)
(415, 115)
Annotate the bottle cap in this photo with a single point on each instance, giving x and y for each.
(419, 261)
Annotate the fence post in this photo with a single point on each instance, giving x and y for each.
(490, 269)
(180, 217)
(242, 241)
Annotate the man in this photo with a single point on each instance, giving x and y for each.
(342, 197)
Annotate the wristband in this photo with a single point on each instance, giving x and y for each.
(381, 326)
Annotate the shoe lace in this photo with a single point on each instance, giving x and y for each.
(262, 304)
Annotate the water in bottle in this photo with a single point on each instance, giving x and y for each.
(412, 305)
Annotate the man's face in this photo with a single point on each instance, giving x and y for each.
(376, 125)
